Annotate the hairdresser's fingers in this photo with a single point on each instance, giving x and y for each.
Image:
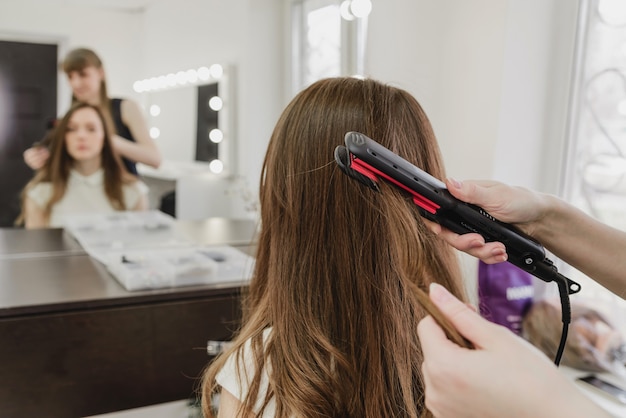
(463, 242)
(480, 332)
(432, 337)
(479, 192)
(36, 157)
(473, 244)
(442, 361)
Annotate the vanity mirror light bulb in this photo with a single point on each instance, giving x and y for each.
(204, 73)
(216, 166)
(181, 78)
(155, 132)
(215, 103)
(155, 110)
(138, 86)
(171, 80)
(192, 76)
(153, 83)
(216, 71)
(216, 136)
(161, 82)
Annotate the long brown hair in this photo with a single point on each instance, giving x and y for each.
(341, 270)
(56, 169)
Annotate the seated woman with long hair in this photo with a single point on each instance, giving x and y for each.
(342, 271)
(82, 175)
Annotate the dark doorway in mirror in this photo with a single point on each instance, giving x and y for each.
(28, 101)
(208, 108)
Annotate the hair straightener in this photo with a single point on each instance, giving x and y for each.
(369, 162)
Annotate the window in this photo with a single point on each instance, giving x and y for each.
(596, 163)
(328, 39)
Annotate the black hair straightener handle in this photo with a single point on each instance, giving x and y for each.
(367, 161)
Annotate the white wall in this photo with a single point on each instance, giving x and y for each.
(492, 75)
(243, 34)
(114, 35)
(537, 77)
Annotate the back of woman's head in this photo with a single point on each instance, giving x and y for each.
(340, 268)
(310, 209)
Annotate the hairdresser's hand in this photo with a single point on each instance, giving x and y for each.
(36, 157)
(516, 205)
(503, 376)
(509, 204)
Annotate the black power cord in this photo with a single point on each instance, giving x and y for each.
(566, 313)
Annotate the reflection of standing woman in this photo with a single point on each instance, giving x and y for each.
(82, 174)
(132, 141)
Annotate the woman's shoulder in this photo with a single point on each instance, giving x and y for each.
(39, 192)
(239, 368)
(134, 184)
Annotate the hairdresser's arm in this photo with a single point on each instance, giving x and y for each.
(592, 247)
(144, 150)
(36, 157)
(33, 215)
(503, 376)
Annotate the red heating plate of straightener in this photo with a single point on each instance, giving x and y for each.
(370, 172)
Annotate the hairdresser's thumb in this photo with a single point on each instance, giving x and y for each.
(471, 325)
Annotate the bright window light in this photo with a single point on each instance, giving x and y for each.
(345, 12)
(361, 8)
(613, 12)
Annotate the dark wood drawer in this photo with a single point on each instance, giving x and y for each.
(94, 361)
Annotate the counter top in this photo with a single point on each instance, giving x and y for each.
(43, 271)
(20, 243)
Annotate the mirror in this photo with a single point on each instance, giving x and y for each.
(190, 115)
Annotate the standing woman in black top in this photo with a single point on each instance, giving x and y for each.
(132, 141)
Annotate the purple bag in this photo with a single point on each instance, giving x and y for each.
(505, 293)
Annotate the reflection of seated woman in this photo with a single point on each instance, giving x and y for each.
(83, 174)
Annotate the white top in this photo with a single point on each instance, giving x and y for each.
(84, 194)
(238, 385)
